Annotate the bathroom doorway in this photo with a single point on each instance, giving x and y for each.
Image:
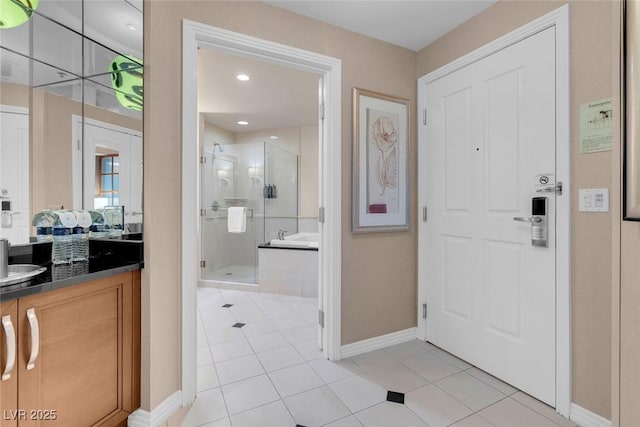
(258, 145)
(197, 36)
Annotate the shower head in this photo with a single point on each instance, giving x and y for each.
(220, 149)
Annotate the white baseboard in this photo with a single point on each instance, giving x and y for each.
(586, 418)
(375, 343)
(142, 418)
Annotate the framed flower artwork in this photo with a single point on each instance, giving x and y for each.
(380, 164)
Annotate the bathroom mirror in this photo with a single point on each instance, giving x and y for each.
(63, 121)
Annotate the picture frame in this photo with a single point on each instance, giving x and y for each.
(380, 162)
(630, 97)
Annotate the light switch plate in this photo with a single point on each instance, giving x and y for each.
(594, 200)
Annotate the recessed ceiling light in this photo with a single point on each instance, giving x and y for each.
(242, 122)
(273, 137)
(243, 77)
(132, 27)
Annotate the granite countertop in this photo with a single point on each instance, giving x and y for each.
(109, 257)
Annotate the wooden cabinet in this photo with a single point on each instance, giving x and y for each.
(8, 357)
(84, 345)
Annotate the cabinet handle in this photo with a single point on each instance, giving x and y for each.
(35, 338)
(10, 335)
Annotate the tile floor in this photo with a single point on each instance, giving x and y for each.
(259, 366)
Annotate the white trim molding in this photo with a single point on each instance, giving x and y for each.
(197, 35)
(559, 20)
(162, 412)
(586, 418)
(376, 343)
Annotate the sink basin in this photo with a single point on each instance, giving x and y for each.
(21, 273)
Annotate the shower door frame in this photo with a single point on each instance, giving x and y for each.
(194, 36)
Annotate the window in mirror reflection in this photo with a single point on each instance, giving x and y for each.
(108, 181)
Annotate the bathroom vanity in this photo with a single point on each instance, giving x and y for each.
(70, 340)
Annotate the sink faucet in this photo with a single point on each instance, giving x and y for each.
(281, 234)
(4, 258)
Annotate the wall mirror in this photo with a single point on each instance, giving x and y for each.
(70, 109)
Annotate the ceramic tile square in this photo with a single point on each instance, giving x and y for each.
(389, 414)
(217, 319)
(287, 322)
(507, 412)
(396, 376)
(309, 350)
(259, 328)
(209, 406)
(230, 350)
(207, 378)
(431, 367)
(451, 358)
(248, 314)
(265, 342)
(300, 334)
(542, 409)
(350, 421)
(316, 407)
(271, 415)
(405, 350)
(331, 372)
(435, 407)
(238, 369)
(359, 392)
(492, 381)
(248, 394)
(222, 335)
(279, 358)
(295, 379)
(470, 391)
(474, 420)
(373, 359)
(204, 356)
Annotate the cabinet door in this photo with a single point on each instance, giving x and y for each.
(76, 338)
(8, 357)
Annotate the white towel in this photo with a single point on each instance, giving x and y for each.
(237, 220)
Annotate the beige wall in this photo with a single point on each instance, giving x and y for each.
(378, 271)
(309, 171)
(591, 243)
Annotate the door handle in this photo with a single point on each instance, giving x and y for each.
(35, 338)
(10, 334)
(532, 219)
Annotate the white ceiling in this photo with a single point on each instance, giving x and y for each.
(412, 24)
(275, 97)
(280, 97)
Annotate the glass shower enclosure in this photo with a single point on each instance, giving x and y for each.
(259, 176)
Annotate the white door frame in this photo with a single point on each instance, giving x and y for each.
(77, 151)
(196, 35)
(559, 19)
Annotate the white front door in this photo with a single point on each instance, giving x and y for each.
(14, 174)
(489, 139)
